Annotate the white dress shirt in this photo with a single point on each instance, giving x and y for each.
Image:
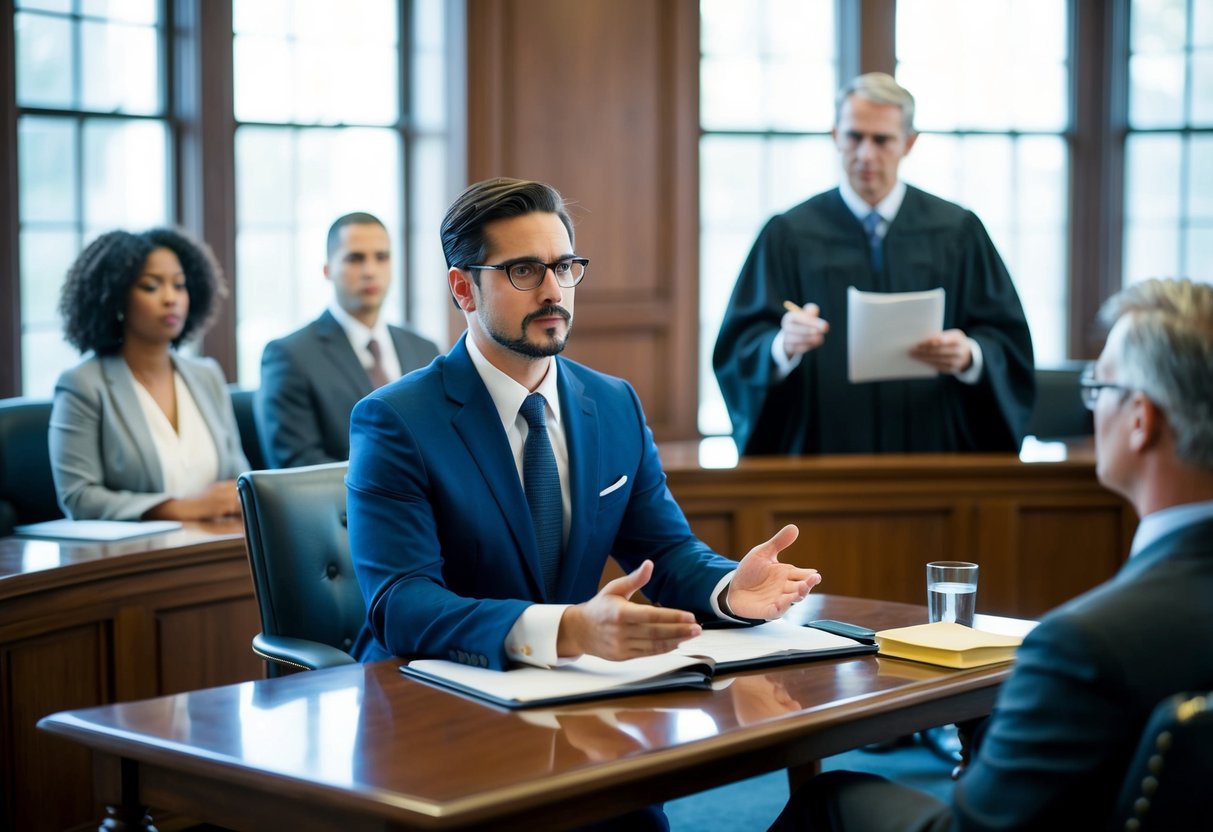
(1164, 521)
(189, 461)
(532, 639)
(359, 335)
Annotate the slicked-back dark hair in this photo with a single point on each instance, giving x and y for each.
(98, 286)
(354, 218)
(463, 239)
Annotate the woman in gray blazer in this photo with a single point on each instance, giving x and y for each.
(139, 431)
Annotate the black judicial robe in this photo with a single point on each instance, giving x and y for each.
(811, 254)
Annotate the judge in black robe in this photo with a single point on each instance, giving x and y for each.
(813, 253)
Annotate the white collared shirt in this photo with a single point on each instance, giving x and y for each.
(189, 460)
(359, 335)
(532, 639)
(888, 208)
(1164, 521)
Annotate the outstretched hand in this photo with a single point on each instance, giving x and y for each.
(763, 587)
(611, 626)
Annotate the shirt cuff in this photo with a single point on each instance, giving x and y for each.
(783, 365)
(532, 639)
(973, 374)
(720, 604)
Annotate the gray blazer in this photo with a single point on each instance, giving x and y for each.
(310, 381)
(102, 455)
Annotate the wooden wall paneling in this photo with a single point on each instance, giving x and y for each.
(1062, 549)
(46, 780)
(207, 644)
(600, 99)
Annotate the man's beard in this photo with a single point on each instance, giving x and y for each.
(522, 346)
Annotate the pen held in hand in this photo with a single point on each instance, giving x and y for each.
(791, 307)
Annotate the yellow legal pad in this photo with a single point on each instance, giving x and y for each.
(948, 644)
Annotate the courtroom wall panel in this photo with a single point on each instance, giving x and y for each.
(600, 99)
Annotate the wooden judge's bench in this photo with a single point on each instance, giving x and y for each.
(1042, 531)
(93, 623)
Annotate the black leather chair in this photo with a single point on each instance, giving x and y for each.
(1059, 411)
(298, 546)
(27, 488)
(246, 421)
(1169, 785)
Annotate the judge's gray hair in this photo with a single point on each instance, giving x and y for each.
(881, 88)
(1167, 353)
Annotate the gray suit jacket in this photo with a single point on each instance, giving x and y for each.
(310, 381)
(102, 455)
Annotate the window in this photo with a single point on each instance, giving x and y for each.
(1168, 201)
(323, 132)
(92, 146)
(993, 113)
(768, 75)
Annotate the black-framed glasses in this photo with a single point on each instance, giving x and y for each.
(1089, 387)
(526, 275)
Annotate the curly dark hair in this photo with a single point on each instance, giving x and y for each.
(98, 284)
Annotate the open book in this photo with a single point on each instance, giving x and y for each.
(693, 665)
(948, 644)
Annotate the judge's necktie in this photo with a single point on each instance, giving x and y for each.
(871, 224)
(541, 481)
(375, 371)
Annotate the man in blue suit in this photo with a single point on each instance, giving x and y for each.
(474, 543)
(1056, 748)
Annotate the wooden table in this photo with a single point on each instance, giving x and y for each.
(86, 623)
(362, 747)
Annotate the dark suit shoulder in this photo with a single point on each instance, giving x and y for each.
(322, 329)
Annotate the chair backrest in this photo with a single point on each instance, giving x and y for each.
(27, 488)
(1059, 411)
(246, 422)
(1168, 785)
(299, 551)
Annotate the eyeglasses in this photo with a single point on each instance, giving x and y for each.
(527, 275)
(1089, 389)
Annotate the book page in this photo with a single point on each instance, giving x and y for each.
(96, 529)
(588, 674)
(772, 638)
(881, 329)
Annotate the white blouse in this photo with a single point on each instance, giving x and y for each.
(189, 459)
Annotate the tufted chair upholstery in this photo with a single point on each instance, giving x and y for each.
(1169, 778)
(298, 547)
(27, 489)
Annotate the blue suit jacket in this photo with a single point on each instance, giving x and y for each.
(440, 529)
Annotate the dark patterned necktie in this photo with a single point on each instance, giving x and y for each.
(541, 481)
(871, 224)
(375, 371)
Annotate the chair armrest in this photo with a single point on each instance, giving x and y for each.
(299, 653)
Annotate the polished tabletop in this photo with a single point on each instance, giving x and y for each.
(365, 742)
(29, 562)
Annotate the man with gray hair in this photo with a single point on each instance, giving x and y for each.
(1055, 750)
(781, 355)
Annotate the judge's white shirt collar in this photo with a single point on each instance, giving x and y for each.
(1164, 521)
(887, 207)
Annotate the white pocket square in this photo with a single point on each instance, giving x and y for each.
(615, 486)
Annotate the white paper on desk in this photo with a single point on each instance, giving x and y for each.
(881, 328)
(96, 529)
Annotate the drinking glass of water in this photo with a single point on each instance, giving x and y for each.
(952, 591)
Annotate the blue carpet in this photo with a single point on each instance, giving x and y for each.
(753, 804)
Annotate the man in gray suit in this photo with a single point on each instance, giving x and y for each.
(1055, 750)
(312, 378)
